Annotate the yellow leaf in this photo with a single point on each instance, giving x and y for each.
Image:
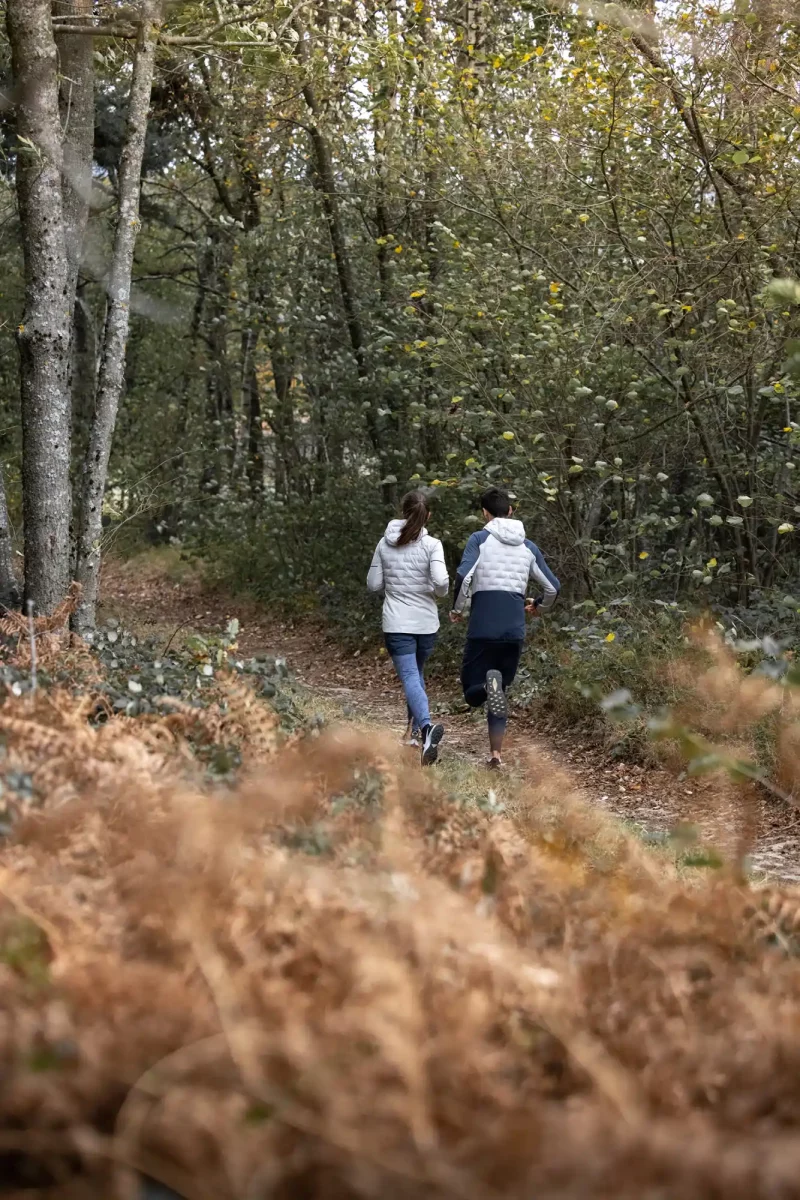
(712, 562)
(611, 637)
(416, 295)
(498, 62)
(398, 249)
(787, 429)
(584, 217)
(555, 288)
(436, 483)
(644, 555)
(508, 436)
(539, 51)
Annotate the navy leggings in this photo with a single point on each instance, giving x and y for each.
(481, 656)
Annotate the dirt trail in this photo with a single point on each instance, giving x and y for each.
(364, 686)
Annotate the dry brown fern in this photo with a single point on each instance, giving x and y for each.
(415, 998)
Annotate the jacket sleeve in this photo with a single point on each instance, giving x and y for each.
(544, 577)
(375, 581)
(438, 568)
(468, 561)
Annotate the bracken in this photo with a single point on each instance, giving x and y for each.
(334, 980)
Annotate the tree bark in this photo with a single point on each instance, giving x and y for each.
(251, 405)
(76, 63)
(9, 587)
(112, 363)
(44, 334)
(76, 71)
(83, 370)
(326, 186)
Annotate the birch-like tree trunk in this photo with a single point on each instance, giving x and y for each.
(44, 333)
(111, 375)
(76, 70)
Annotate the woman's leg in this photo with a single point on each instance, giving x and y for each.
(403, 649)
(408, 674)
(426, 644)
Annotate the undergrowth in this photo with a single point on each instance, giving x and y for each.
(338, 976)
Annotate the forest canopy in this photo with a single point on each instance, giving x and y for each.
(416, 243)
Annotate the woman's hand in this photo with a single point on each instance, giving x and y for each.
(532, 608)
(455, 618)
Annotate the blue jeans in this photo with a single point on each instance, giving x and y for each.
(409, 653)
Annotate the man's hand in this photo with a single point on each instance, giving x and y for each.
(531, 608)
(455, 618)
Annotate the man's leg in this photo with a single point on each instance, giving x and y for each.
(474, 666)
(505, 658)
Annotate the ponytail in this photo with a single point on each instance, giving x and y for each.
(414, 507)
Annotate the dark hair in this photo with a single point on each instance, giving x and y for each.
(414, 507)
(496, 502)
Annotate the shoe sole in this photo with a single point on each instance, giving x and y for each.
(495, 696)
(431, 751)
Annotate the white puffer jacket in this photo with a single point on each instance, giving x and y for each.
(411, 577)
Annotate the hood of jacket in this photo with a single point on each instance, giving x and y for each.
(395, 528)
(507, 530)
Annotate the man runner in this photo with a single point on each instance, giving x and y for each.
(498, 562)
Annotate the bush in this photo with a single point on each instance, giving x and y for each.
(302, 559)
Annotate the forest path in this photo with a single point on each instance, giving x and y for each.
(159, 596)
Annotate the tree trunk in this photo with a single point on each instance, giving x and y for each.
(84, 373)
(9, 588)
(76, 71)
(283, 425)
(251, 406)
(326, 185)
(112, 364)
(76, 64)
(214, 272)
(44, 334)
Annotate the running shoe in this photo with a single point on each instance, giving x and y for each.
(495, 696)
(431, 737)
